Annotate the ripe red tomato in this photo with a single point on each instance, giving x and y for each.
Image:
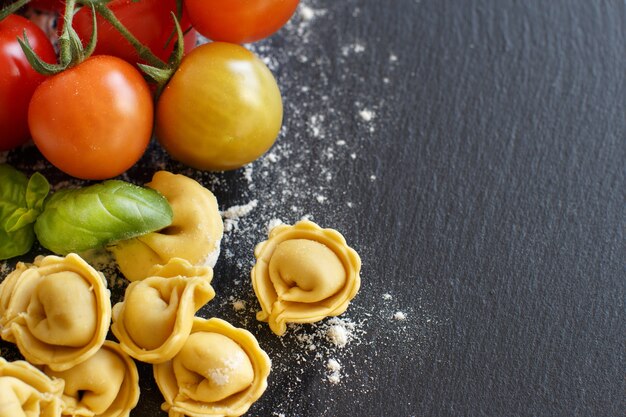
(50, 5)
(239, 21)
(93, 121)
(148, 20)
(221, 109)
(18, 79)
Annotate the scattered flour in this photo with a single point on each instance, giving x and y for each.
(399, 316)
(338, 334)
(366, 115)
(273, 223)
(239, 305)
(234, 213)
(334, 371)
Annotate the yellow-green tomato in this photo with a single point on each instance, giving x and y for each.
(221, 110)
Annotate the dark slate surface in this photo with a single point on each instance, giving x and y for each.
(486, 195)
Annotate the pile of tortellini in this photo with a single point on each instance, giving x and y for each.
(58, 312)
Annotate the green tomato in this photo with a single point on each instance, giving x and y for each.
(221, 110)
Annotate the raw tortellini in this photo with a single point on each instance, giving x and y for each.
(304, 273)
(105, 385)
(219, 372)
(57, 310)
(25, 391)
(194, 235)
(156, 316)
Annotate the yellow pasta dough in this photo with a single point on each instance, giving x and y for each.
(105, 385)
(194, 235)
(220, 372)
(57, 310)
(25, 391)
(304, 273)
(156, 316)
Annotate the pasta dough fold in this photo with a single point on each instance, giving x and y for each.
(304, 273)
(105, 385)
(25, 391)
(156, 316)
(194, 235)
(57, 310)
(219, 372)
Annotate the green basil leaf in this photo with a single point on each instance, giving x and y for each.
(80, 219)
(36, 191)
(13, 185)
(21, 201)
(16, 243)
(20, 218)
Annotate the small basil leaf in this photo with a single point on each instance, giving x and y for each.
(20, 218)
(36, 191)
(92, 217)
(12, 192)
(20, 204)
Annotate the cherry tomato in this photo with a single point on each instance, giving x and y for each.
(18, 79)
(49, 5)
(149, 21)
(239, 21)
(221, 109)
(94, 120)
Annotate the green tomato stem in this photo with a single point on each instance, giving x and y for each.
(65, 42)
(12, 8)
(143, 51)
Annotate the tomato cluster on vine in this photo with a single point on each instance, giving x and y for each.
(126, 70)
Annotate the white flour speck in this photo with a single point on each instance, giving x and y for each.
(366, 115)
(399, 315)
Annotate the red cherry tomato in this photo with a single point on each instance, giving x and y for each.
(49, 5)
(93, 121)
(239, 21)
(18, 79)
(149, 21)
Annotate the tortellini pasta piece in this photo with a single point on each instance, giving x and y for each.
(156, 316)
(105, 385)
(57, 310)
(195, 233)
(25, 391)
(220, 372)
(304, 273)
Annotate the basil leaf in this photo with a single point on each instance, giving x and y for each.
(21, 201)
(16, 243)
(80, 219)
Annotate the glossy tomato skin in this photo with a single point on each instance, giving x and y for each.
(18, 79)
(148, 20)
(221, 110)
(239, 21)
(93, 121)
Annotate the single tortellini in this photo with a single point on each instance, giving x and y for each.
(220, 372)
(57, 310)
(105, 385)
(304, 273)
(195, 233)
(25, 391)
(156, 316)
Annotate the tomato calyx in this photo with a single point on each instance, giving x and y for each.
(162, 74)
(71, 50)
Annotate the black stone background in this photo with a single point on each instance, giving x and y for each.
(487, 197)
